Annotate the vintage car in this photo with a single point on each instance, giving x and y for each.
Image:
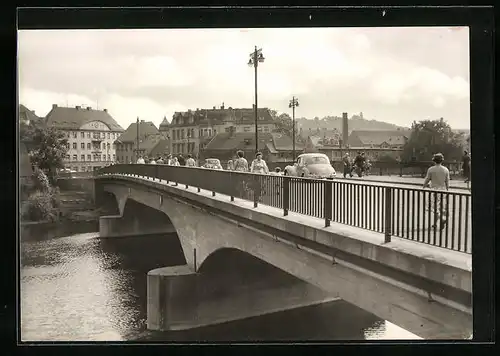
(212, 163)
(312, 165)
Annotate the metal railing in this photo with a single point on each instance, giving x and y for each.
(438, 218)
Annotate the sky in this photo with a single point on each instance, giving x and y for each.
(396, 75)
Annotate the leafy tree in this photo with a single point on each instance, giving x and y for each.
(284, 124)
(429, 137)
(47, 147)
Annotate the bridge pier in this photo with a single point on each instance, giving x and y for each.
(122, 226)
(181, 299)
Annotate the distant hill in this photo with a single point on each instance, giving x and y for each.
(356, 122)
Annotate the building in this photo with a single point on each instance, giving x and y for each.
(191, 131)
(275, 147)
(151, 142)
(90, 133)
(378, 138)
(335, 153)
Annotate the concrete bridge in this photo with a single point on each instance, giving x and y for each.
(425, 289)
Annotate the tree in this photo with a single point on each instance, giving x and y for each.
(47, 147)
(429, 137)
(284, 124)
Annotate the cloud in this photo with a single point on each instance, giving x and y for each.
(393, 74)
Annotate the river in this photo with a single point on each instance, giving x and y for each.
(78, 287)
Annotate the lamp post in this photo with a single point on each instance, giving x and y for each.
(255, 57)
(137, 140)
(293, 104)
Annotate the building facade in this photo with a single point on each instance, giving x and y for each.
(90, 133)
(146, 142)
(191, 131)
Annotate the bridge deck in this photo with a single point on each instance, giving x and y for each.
(430, 252)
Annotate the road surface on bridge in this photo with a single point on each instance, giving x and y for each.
(455, 185)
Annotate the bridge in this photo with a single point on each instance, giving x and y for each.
(378, 247)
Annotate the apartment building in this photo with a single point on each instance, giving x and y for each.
(90, 133)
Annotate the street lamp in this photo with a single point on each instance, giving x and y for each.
(293, 104)
(255, 57)
(137, 140)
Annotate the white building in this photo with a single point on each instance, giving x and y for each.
(91, 135)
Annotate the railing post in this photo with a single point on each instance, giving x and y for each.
(400, 170)
(327, 201)
(232, 185)
(256, 190)
(388, 215)
(286, 195)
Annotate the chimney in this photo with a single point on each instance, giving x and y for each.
(54, 106)
(214, 107)
(77, 107)
(142, 121)
(88, 108)
(222, 106)
(345, 128)
(105, 110)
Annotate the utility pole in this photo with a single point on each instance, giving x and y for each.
(137, 140)
(293, 104)
(255, 57)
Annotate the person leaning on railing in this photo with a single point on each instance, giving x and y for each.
(259, 166)
(190, 162)
(438, 176)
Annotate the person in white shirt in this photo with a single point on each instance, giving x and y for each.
(140, 160)
(190, 162)
(175, 162)
(258, 165)
(438, 177)
(152, 161)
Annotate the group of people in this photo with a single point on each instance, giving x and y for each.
(258, 165)
(169, 160)
(361, 163)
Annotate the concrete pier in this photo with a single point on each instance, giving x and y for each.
(181, 299)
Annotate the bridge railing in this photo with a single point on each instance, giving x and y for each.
(437, 218)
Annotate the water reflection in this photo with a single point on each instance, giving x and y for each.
(82, 288)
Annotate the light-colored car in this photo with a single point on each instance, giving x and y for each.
(312, 165)
(212, 163)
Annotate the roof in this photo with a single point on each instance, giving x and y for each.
(161, 147)
(285, 143)
(218, 116)
(73, 118)
(235, 141)
(146, 128)
(26, 114)
(377, 137)
(164, 124)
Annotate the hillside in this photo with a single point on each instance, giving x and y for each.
(356, 122)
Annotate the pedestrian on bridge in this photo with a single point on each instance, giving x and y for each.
(259, 166)
(347, 165)
(140, 160)
(175, 162)
(240, 164)
(230, 165)
(466, 166)
(438, 176)
(190, 162)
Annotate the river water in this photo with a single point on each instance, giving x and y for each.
(78, 287)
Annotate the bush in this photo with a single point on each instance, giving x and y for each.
(39, 207)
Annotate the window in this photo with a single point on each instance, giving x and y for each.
(96, 157)
(74, 145)
(246, 129)
(88, 158)
(74, 134)
(126, 148)
(75, 158)
(82, 145)
(103, 135)
(103, 145)
(68, 157)
(114, 157)
(103, 157)
(82, 158)
(259, 129)
(108, 145)
(109, 157)
(88, 134)
(82, 134)
(88, 146)
(182, 133)
(109, 135)
(266, 129)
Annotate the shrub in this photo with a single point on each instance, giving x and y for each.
(39, 206)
